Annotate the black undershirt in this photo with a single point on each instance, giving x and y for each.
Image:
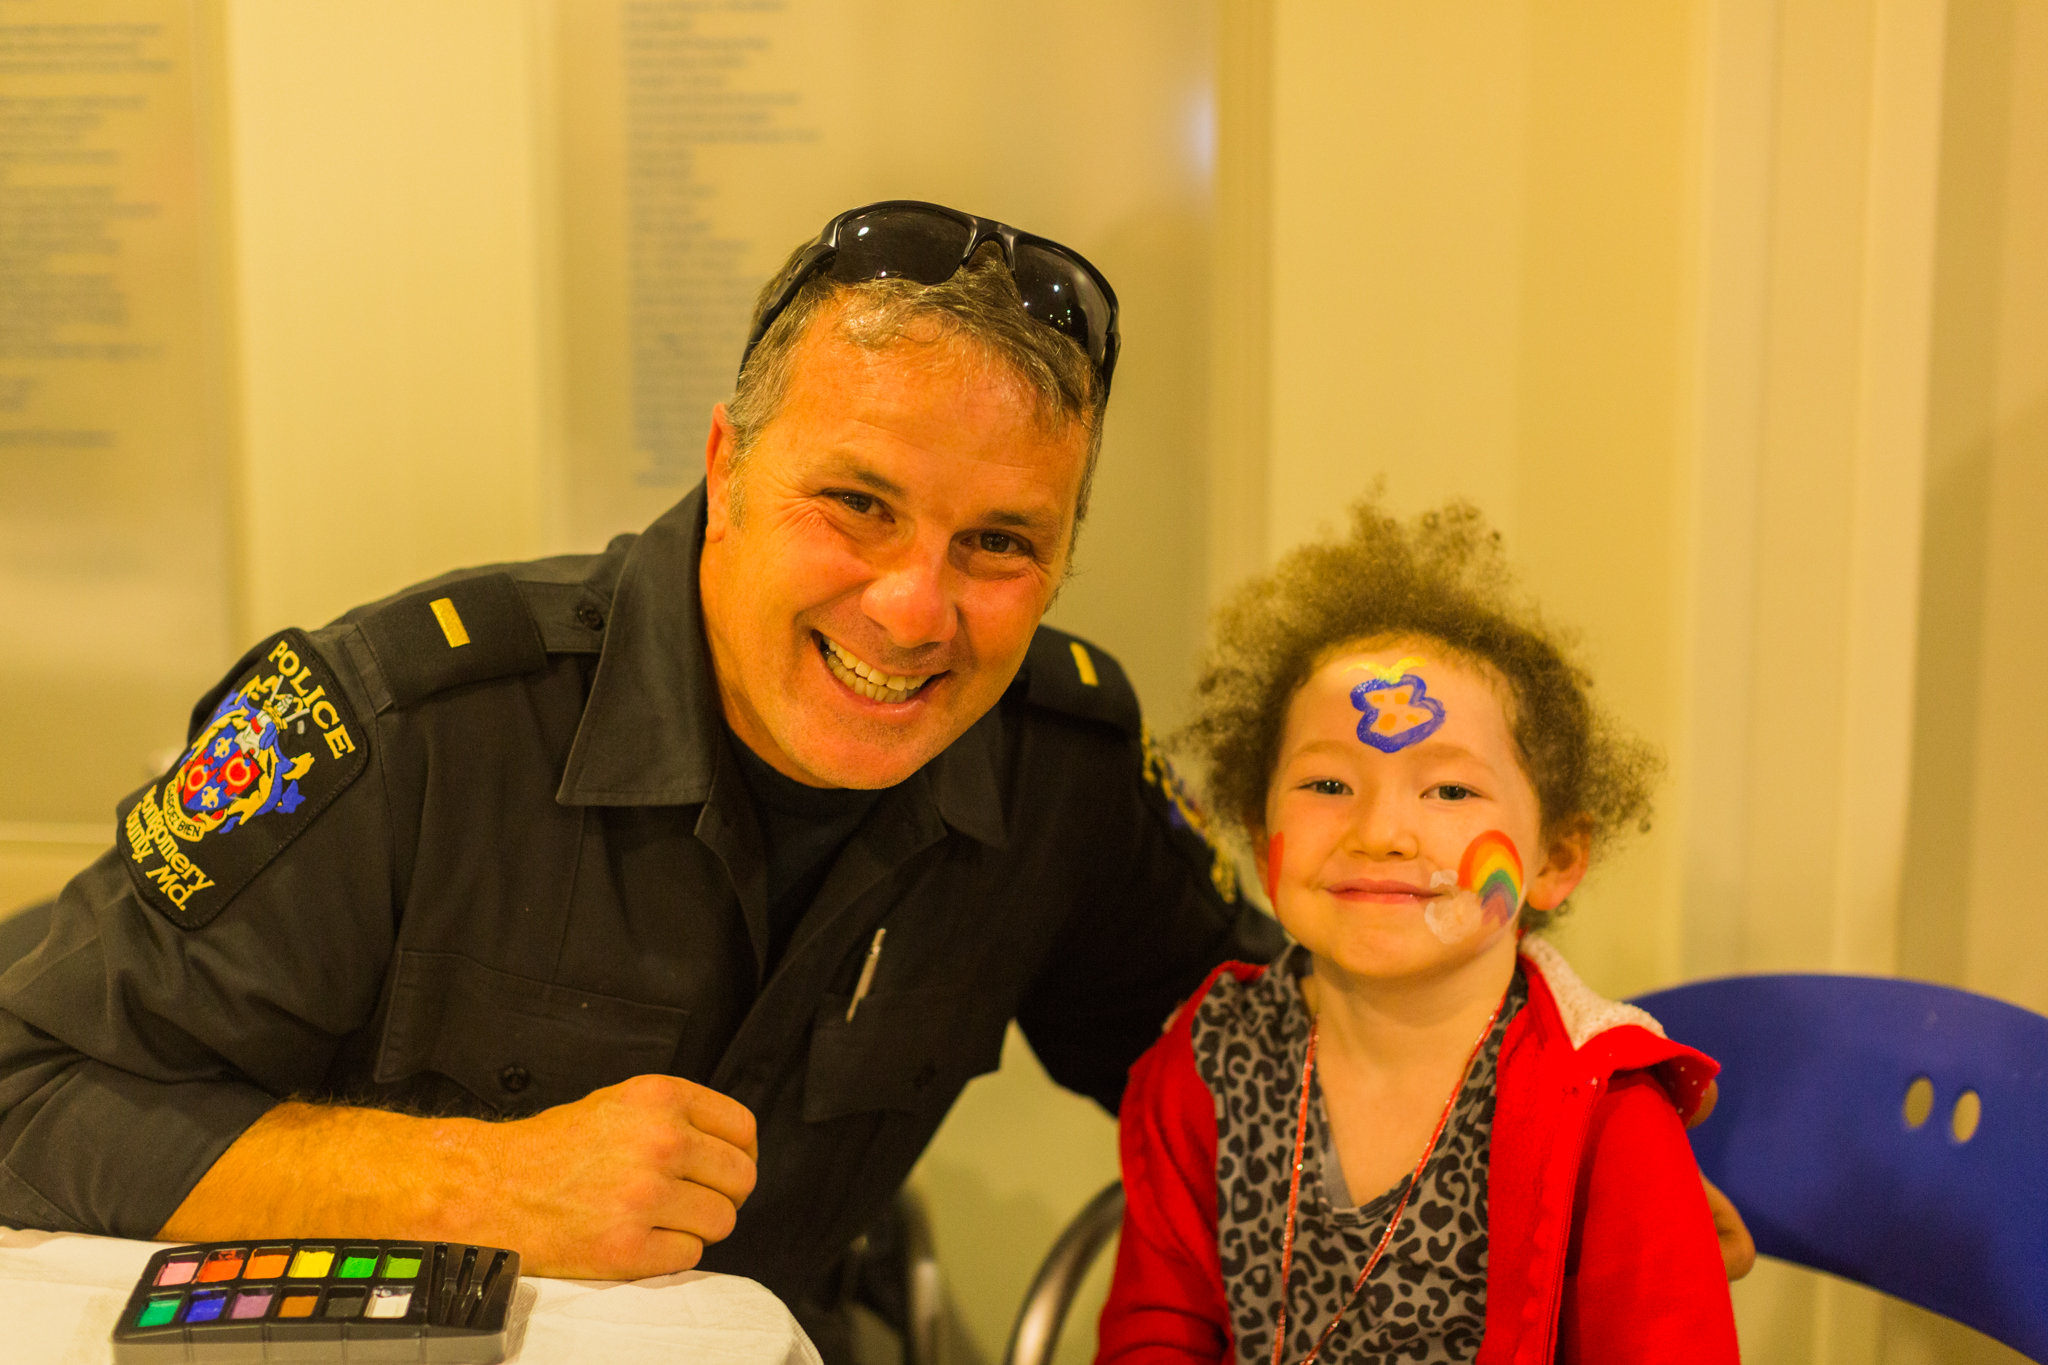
(802, 830)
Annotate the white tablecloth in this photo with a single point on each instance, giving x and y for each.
(60, 1294)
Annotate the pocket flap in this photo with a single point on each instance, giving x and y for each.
(907, 1051)
(517, 1044)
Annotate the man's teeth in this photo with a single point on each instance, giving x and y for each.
(870, 682)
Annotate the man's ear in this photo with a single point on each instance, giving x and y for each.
(720, 447)
(1567, 851)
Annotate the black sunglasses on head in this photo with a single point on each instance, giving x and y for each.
(910, 239)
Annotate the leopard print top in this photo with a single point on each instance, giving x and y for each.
(1426, 1301)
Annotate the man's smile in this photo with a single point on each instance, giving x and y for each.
(864, 678)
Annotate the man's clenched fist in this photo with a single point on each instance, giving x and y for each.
(629, 1181)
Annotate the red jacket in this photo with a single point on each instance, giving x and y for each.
(1600, 1247)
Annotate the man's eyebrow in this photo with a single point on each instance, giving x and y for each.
(866, 478)
(1036, 523)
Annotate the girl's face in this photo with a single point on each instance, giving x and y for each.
(1402, 836)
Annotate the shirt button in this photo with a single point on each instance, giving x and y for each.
(514, 1079)
(590, 617)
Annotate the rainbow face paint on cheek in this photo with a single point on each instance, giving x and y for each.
(1396, 707)
(1492, 871)
(1275, 846)
(1488, 894)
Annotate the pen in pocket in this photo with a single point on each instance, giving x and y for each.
(867, 975)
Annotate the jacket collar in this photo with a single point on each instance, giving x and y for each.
(1608, 1035)
(1583, 1011)
(652, 725)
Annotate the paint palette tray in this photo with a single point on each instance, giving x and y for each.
(319, 1299)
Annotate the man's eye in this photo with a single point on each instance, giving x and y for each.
(862, 503)
(998, 543)
(1451, 791)
(1326, 786)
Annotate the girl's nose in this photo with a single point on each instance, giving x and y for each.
(1384, 827)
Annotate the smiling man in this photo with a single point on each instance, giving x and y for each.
(875, 564)
(649, 909)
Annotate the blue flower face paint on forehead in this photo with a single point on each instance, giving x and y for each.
(1397, 708)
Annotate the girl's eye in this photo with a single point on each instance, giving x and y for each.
(1326, 786)
(1451, 791)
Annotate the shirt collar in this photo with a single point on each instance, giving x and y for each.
(652, 725)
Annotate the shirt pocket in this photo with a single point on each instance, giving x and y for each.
(517, 1044)
(907, 1051)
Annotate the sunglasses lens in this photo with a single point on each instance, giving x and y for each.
(901, 243)
(1062, 295)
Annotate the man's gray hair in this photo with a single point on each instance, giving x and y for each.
(980, 302)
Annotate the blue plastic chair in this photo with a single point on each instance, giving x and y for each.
(1814, 1137)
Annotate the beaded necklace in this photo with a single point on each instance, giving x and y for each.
(1308, 1071)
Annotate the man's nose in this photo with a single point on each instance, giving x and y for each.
(912, 597)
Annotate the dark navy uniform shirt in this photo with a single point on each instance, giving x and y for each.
(484, 847)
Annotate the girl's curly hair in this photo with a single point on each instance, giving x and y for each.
(1442, 578)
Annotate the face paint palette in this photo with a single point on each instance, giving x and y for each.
(319, 1300)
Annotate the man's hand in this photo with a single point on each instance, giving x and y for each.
(1738, 1248)
(629, 1181)
(1738, 1251)
(632, 1180)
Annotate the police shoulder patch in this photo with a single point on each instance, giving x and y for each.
(1067, 674)
(279, 746)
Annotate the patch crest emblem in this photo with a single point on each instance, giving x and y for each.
(1183, 813)
(279, 747)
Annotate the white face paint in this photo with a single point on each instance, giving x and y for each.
(1442, 877)
(1453, 918)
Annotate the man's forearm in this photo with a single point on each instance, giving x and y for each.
(305, 1170)
(630, 1180)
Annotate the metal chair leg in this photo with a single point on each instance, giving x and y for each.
(1059, 1278)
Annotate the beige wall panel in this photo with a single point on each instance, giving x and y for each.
(1241, 312)
(384, 163)
(1803, 531)
(115, 534)
(1734, 80)
(2008, 940)
(1936, 906)
(36, 861)
(1398, 174)
(1601, 354)
(1882, 610)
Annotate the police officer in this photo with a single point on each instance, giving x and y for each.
(573, 905)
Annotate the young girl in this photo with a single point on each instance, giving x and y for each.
(1417, 1136)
